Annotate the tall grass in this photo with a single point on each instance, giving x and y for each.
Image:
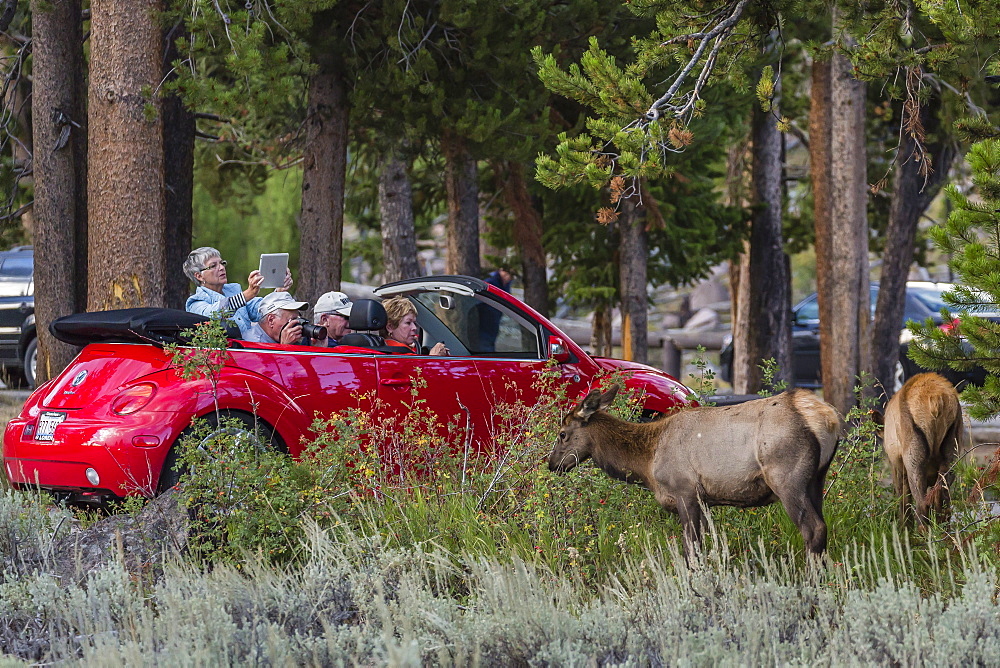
(354, 599)
(398, 543)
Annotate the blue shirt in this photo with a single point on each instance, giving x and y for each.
(257, 334)
(230, 304)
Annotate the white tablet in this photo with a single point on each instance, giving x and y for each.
(272, 268)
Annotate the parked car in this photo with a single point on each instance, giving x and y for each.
(923, 301)
(108, 423)
(18, 347)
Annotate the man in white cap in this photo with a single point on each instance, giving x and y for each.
(333, 311)
(279, 320)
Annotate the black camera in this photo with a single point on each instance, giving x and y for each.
(311, 331)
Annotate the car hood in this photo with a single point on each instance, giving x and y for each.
(664, 390)
(611, 364)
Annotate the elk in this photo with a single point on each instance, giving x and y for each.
(746, 455)
(923, 427)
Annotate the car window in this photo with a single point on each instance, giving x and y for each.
(20, 267)
(481, 327)
(808, 309)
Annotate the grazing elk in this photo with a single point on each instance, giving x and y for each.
(746, 455)
(923, 429)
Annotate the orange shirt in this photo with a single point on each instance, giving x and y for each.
(394, 342)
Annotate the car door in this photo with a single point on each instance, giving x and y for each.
(473, 392)
(323, 382)
(446, 389)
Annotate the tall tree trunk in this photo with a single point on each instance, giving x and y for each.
(60, 238)
(461, 180)
(847, 352)
(819, 168)
(127, 245)
(600, 333)
(737, 194)
(178, 171)
(527, 235)
(321, 225)
(633, 254)
(395, 203)
(769, 321)
(739, 281)
(910, 198)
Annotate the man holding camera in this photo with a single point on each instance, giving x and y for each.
(333, 311)
(279, 320)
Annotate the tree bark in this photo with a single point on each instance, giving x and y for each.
(127, 245)
(846, 351)
(739, 269)
(769, 308)
(820, 157)
(633, 254)
(910, 198)
(324, 160)
(739, 281)
(178, 171)
(527, 235)
(60, 238)
(461, 180)
(395, 201)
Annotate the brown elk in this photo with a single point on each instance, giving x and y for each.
(923, 429)
(745, 455)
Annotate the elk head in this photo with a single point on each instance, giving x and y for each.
(575, 443)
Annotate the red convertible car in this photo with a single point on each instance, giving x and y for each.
(105, 426)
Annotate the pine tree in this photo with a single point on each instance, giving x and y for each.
(972, 237)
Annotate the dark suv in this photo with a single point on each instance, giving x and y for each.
(18, 346)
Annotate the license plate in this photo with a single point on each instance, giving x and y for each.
(47, 423)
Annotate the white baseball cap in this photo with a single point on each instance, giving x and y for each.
(333, 302)
(280, 301)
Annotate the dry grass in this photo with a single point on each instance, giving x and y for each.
(10, 405)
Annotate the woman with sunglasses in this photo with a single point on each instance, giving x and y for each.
(207, 269)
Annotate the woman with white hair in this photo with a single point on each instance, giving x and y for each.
(207, 269)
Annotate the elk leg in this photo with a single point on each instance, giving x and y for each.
(692, 518)
(901, 488)
(807, 517)
(918, 487)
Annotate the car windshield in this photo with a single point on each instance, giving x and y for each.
(19, 267)
(929, 297)
(480, 327)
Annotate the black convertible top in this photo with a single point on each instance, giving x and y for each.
(130, 325)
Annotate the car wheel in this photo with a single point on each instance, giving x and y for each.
(236, 424)
(31, 362)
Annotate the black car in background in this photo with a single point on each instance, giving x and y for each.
(18, 346)
(923, 301)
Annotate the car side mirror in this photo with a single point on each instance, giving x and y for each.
(557, 349)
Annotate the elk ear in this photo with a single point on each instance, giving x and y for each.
(595, 401)
(608, 397)
(590, 405)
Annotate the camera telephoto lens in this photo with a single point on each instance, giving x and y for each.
(311, 331)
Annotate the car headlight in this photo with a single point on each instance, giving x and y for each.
(133, 399)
